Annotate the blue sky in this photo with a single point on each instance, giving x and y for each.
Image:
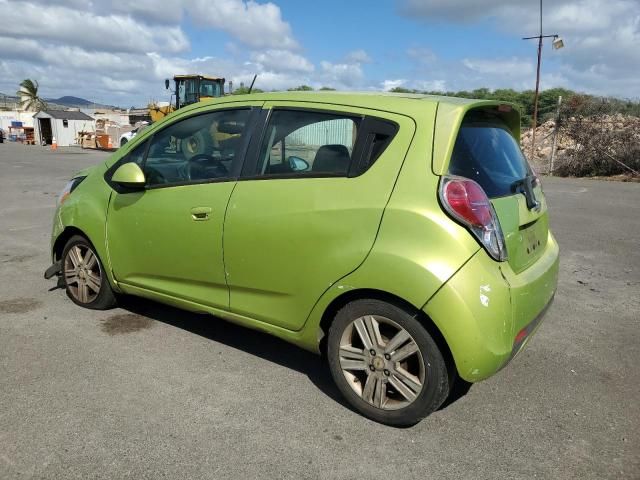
(119, 52)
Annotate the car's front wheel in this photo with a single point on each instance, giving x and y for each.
(385, 363)
(84, 276)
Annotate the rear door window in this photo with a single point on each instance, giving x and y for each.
(298, 143)
(486, 152)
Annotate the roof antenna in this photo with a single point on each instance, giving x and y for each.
(252, 82)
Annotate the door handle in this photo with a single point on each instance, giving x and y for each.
(200, 214)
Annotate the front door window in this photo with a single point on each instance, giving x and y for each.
(201, 148)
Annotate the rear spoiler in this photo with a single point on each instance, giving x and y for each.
(449, 117)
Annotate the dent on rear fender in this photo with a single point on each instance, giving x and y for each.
(417, 250)
(474, 314)
(404, 266)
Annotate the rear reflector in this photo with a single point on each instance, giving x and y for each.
(522, 334)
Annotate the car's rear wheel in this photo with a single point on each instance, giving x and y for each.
(123, 142)
(84, 278)
(385, 363)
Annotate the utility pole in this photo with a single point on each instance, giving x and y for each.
(557, 43)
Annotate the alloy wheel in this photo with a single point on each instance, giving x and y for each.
(82, 273)
(382, 362)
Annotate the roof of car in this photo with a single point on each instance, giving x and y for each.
(379, 100)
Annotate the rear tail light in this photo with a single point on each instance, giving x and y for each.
(465, 201)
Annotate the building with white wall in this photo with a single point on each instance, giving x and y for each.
(62, 125)
(121, 117)
(7, 117)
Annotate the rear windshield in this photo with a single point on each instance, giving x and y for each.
(487, 153)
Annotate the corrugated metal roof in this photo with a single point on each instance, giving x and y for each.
(65, 115)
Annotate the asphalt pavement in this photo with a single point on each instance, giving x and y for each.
(148, 391)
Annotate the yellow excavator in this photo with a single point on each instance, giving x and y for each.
(191, 89)
(188, 89)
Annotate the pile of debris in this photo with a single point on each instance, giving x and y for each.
(540, 158)
(586, 145)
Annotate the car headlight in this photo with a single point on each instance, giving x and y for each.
(68, 188)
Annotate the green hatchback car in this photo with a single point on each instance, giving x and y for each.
(405, 237)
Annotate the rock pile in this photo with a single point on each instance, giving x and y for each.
(617, 135)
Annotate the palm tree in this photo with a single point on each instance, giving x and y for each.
(28, 95)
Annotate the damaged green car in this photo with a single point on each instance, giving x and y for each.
(404, 237)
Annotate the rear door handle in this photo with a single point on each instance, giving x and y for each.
(200, 214)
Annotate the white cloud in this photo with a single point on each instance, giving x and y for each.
(358, 56)
(170, 12)
(120, 52)
(341, 75)
(259, 25)
(116, 51)
(467, 11)
(420, 85)
(144, 25)
(346, 74)
(601, 37)
(282, 60)
(497, 66)
(391, 84)
(431, 85)
(62, 25)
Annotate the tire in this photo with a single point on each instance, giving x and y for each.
(200, 143)
(354, 369)
(84, 278)
(123, 142)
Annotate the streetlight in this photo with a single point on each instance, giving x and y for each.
(557, 44)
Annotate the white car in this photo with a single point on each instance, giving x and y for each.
(125, 137)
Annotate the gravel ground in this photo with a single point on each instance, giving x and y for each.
(149, 391)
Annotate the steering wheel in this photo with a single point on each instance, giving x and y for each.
(203, 166)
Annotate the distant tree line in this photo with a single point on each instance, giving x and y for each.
(547, 101)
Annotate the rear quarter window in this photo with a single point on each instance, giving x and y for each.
(486, 152)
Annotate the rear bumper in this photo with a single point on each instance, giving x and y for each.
(487, 313)
(523, 336)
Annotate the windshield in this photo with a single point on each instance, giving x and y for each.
(487, 153)
(187, 91)
(209, 88)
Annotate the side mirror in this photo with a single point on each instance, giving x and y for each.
(129, 175)
(298, 164)
(166, 83)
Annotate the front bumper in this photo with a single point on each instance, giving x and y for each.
(54, 269)
(487, 313)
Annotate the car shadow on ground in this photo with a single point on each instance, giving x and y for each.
(256, 343)
(253, 342)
